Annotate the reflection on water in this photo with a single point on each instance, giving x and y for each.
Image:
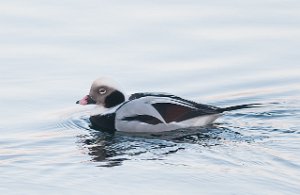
(113, 149)
(243, 127)
(217, 52)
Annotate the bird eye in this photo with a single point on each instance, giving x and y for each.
(102, 91)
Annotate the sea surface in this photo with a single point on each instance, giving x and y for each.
(216, 52)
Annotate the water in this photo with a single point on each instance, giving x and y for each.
(218, 52)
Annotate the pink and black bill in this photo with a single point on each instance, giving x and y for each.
(86, 100)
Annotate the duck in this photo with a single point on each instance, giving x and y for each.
(145, 112)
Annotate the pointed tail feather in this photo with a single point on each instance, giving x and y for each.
(238, 107)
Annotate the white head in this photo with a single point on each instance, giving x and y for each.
(104, 92)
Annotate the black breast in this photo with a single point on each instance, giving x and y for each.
(104, 122)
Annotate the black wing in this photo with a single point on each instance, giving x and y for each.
(140, 95)
(207, 109)
(180, 110)
(177, 113)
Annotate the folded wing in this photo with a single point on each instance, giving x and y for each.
(175, 109)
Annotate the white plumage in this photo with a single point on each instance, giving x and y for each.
(144, 107)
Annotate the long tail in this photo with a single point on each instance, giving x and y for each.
(238, 107)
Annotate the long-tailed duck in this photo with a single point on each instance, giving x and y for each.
(147, 112)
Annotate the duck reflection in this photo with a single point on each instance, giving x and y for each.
(110, 150)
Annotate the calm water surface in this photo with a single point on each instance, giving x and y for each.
(217, 52)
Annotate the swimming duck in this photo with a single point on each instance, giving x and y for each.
(146, 112)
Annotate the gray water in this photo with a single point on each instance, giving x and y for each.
(216, 52)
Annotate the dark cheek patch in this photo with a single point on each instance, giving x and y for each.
(115, 98)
